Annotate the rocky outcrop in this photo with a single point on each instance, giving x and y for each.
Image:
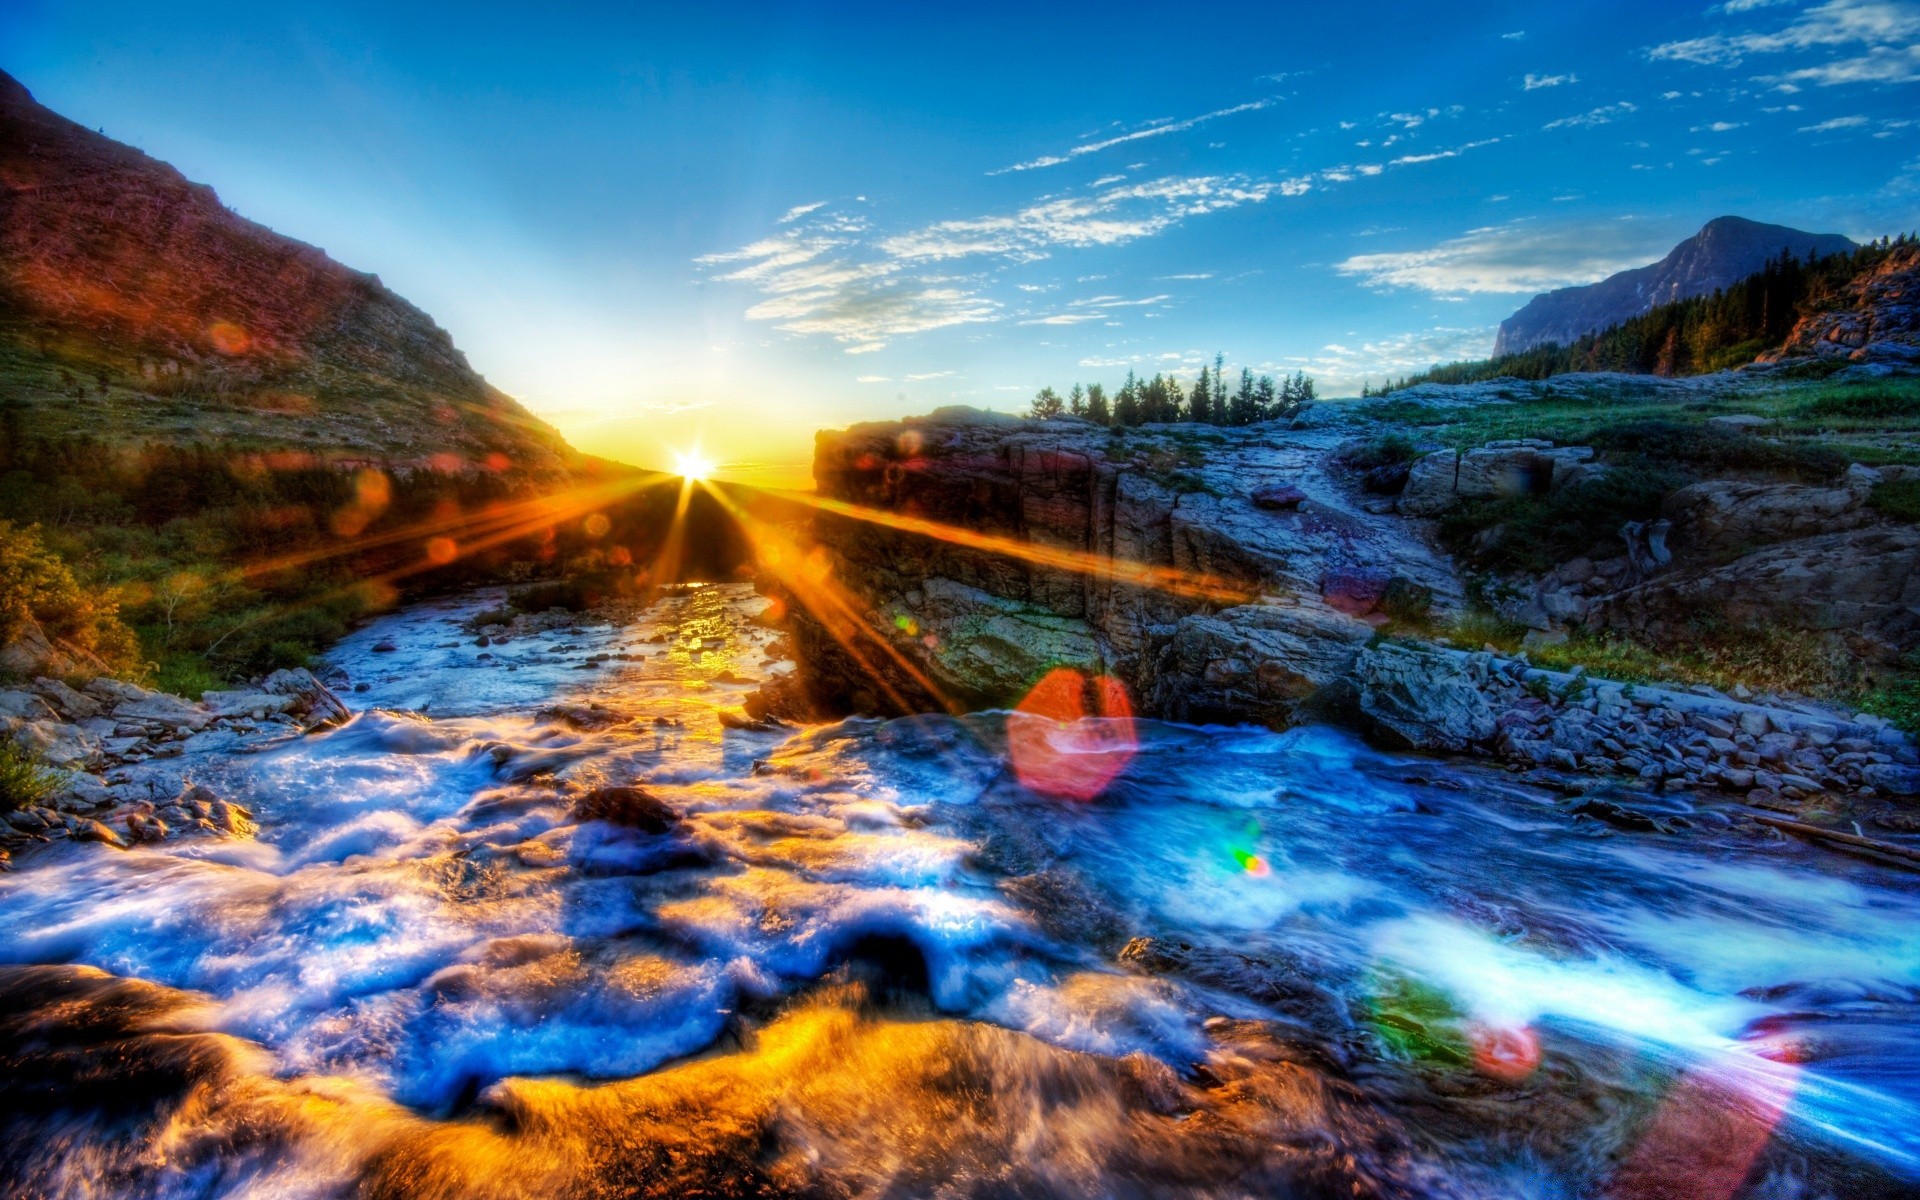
(1158, 559)
(1860, 586)
(1421, 700)
(1725, 518)
(1874, 319)
(1724, 252)
(1497, 470)
(262, 334)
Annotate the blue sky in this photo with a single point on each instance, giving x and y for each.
(664, 226)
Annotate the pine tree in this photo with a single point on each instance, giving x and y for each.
(1200, 404)
(1097, 410)
(1047, 404)
(1265, 401)
(1240, 408)
(1077, 401)
(1126, 406)
(1219, 388)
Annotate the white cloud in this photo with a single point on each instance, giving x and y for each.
(928, 375)
(1606, 114)
(800, 210)
(1516, 258)
(1828, 126)
(1886, 33)
(872, 379)
(1535, 82)
(1339, 369)
(1515, 36)
(1153, 129)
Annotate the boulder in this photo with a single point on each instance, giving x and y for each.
(1421, 700)
(1521, 467)
(25, 706)
(634, 807)
(1256, 663)
(162, 709)
(1279, 497)
(1727, 517)
(69, 703)
(27, 652)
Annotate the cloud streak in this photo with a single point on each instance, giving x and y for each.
(1882, 38)
(1152, 130)
(1513, 259)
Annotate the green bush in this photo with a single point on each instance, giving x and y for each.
(1383, 451)
(1898, 700)
(1898, 501)
(35, 584)
(24, 779)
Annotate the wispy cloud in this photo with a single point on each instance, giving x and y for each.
(1095, 308)
(1606, 114)
(1150, 130)
(1516, 258)
(1535, 82)
(800, 210)
(1340, 368)
(1880, 41)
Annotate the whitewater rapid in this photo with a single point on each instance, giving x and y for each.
(1412, 977)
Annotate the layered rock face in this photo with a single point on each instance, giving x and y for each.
(1726, 251)
(113, 259)
(1255, 607)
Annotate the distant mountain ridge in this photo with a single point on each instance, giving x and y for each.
(1725, 251)
(135, 306)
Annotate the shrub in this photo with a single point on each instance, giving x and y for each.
(1898, 700)
(35, 584)
(1897, 501)
(570, 594)
(1382, 451)
(1539, 533)
(24, 779)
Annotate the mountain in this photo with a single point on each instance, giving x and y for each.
(135, 307)
(1724, 252)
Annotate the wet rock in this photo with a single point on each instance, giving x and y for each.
(256, 704)
(1422, 700)
(384, 646)
(1893, 779)
(96, 831)
(312, 699)
(634, 807)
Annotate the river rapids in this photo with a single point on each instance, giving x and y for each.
(890, 959)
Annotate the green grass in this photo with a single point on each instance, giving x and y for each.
(24, 779)
(1898, 699)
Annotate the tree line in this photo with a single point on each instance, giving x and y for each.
(1213, 400)
(1729, 328)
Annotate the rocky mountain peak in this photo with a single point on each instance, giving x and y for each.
(1725, 251)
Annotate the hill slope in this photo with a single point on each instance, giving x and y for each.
(134, 306)
(1724, 252)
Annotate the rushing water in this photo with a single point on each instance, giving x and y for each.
(871, 959)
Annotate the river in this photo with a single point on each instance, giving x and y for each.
(993, 955)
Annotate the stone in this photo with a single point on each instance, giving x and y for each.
(1355, 591)
(1754, 723)
(157, 707)
(26, 706)
(1423, 701)
(253, 703)
(311, 698)
(1279, 497)
(1721, 518)
(1894, 779)
(27, 651)
(1740, 422)
(96, 831)
(384, 646)
(634, 807)
(68, 702)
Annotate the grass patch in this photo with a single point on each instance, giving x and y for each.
(1386, 450)
(24, 779)
(1898, 699)
(1537, 533)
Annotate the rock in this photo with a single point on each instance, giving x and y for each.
(1254, 663)
(1861, 587)
(634, 807)
(1618, 816)
(1279, 497)
(1423, 701)
(1894, 779)
(384, 646)
(68, 702)
(146, 829)
(1355, 591)
(1726, 517)
(1740, 422)
(26, 706)
(27, 652)
(311, 698)
(254, 703)
(1537, 638)
(59, 744)
(96, 831)
(1874, 319)
(162, 709)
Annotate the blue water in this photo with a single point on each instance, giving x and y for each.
(421, 917)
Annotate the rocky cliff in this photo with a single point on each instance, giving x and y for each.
(135, 305)
(1726, 251)
(1874, 319)
(1261, 576)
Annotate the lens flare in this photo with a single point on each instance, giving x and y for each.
(1061, 745)
(692, 465)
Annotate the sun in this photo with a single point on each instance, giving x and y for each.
(693, 465)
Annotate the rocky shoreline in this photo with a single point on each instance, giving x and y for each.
(125, 754)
